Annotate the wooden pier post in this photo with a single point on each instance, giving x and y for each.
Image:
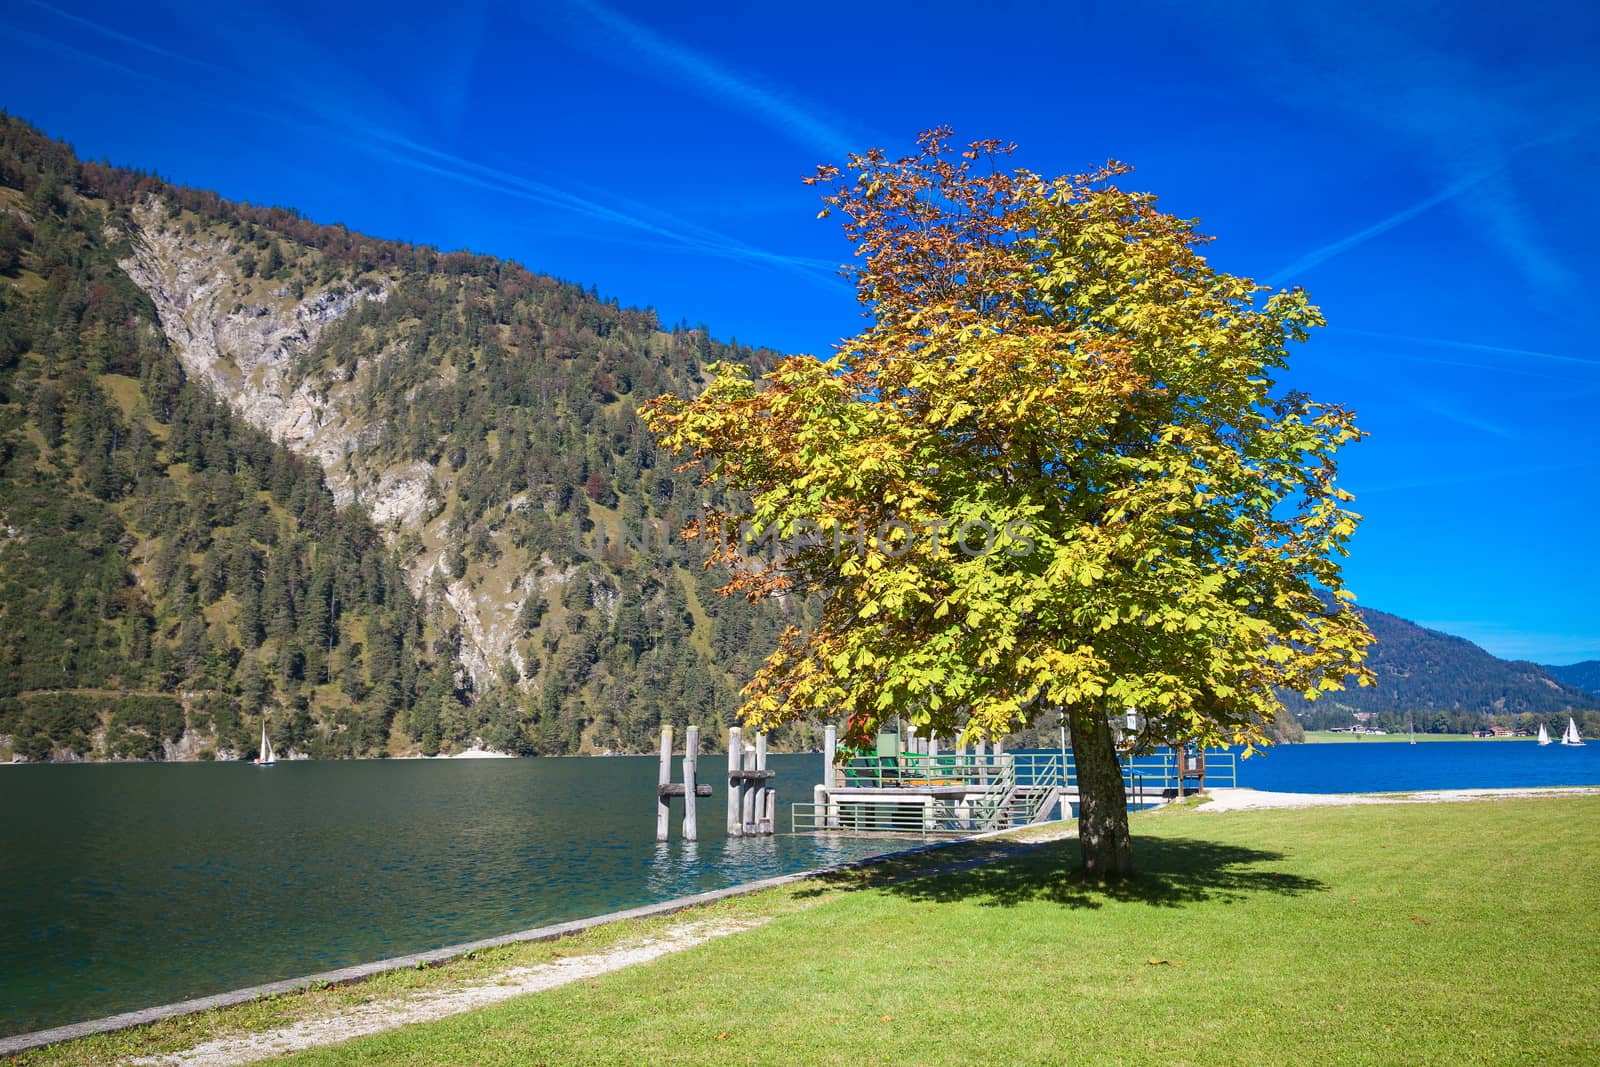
(747, 793)
(691, 769)
(735, 786)
(752, 807)
(830, 755)
(830, 777)
(663, 802)
(763, 819)
(690, 789)
(983, 762)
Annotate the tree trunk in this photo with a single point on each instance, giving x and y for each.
(1102, 802)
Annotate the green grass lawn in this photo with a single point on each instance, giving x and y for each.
(1328, 736)
(1460, 933)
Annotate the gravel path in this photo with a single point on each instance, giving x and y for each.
(427, 1006)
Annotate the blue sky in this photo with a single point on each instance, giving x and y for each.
(1427, 171)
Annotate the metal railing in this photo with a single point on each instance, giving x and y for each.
(913, 770)
(963, 793)
(1157, 773)
(919, 815)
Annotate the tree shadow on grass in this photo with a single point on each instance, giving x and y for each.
(1172, 872)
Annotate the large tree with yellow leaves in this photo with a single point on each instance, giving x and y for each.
(1055, 471)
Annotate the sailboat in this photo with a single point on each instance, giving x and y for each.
(1571, 736)
(1544, 735)
(267, 757)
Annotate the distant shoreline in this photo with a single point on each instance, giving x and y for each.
(1328, 737)
(1312, 737)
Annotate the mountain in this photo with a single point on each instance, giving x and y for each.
(392, 499)
(1449, 678)
(1585, 675)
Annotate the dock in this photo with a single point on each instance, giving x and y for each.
(922, 791)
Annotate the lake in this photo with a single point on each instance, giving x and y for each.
(1368, 766)
(127, 885)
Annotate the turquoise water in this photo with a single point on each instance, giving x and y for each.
(127, 885)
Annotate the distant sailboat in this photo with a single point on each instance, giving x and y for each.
(267, 757)
(1571, 736)
(1544, 735)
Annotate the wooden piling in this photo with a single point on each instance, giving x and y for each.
(750, 810)
(663, 802)
(762, 820)
(747, 793)
(735, 785)
(830, 755)
(691, 768)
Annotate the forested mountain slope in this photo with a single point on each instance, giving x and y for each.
(393, 499)
(1449, 678)
(1585, 675)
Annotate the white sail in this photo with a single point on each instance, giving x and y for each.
(1571, 737)
(1544, 735)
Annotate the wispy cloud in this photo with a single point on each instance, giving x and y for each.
(680, 233)
(1441, 108)
(322, 114)
(1469, 419)
(1377, 229)
(1465, 475)
(1388, 354)
(50, 44)
(714, 80)
(1508, 222)
(112, 33)
(1471, 346)
(1502, 213)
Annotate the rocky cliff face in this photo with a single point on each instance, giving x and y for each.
(243, 342)
(250, 340)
